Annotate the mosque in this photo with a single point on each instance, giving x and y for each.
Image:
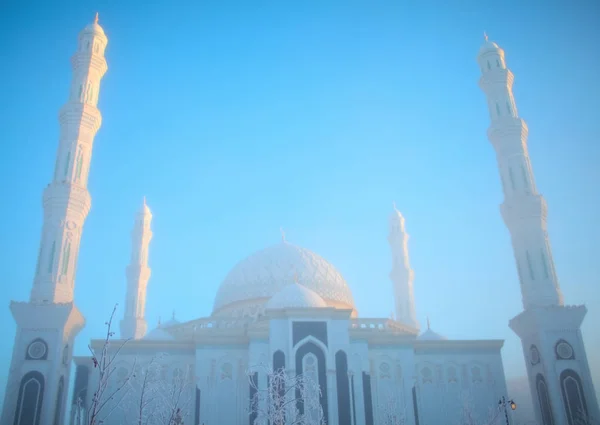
(286, 307)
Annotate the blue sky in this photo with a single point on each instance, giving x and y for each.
(236, 118)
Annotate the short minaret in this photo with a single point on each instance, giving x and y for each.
(401, 274)
(557, 366)
(48, 323)
(134, 324)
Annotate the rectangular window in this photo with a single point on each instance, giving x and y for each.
(525, 179)
(545, 264)
(512, 178)
(529, 265)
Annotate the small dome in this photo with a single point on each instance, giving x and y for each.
(430, 335)
(295, 296)
(158, 334)
(170, 323)
(94, 28)
(488, 46)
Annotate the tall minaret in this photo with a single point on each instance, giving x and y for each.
(48, 323)
(134, 323)
(557, 366)
(401, 274)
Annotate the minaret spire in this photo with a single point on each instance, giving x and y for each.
(401, 275)
(48, 324)
(524, 209)
(549, 331)
(66, 200)
(134, 324)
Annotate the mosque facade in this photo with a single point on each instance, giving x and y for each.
(287, 308)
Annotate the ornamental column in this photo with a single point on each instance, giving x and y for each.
(402, 275)
(66, 200)
(550, 332)
(134, 323)
(47, 325)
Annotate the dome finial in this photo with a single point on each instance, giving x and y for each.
(282, 234)
(96, 18)
(428, 324)
(485, 36)
(394, 204)
(173, 314)
(159, 321)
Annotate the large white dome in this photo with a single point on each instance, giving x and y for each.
(253, 281)
(295, 296)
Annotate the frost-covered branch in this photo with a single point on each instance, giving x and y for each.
(286, 399)
(390, 411)
(103, 361)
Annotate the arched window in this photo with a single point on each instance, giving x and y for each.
(488, 65)
(544, 400)
(65, 260)
(512, 178)
(545, 265)
(78, 165)
(508, 108)
(302, 352)
(39, 261)
(525, 179)
(497, 63)
(51, 260)
(278, 360)
(67, 163)
(226, 371)
(497, 109)
(29, 402)
(59, 403)
(573, 398)
(343, 387)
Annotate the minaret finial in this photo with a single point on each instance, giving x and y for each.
(144, 200)
(96, 18)
(282, 234)
(173, 314)
(485, 36)
(394, 204)
(159, 321)
(428, 324)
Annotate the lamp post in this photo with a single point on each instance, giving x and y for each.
(503, 404)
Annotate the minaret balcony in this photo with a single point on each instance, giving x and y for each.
(524, 207)
(86, 60)
(508, 135)
(80, 114)
(65, 197)
(496, 77)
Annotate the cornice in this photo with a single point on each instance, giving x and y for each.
(464, 345)
(549, 318)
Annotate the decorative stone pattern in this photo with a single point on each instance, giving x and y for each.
(564, 351)
(263, 274)
(296, 296)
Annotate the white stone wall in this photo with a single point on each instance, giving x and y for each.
(223, 382)
(450, 382)
(392, 379)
